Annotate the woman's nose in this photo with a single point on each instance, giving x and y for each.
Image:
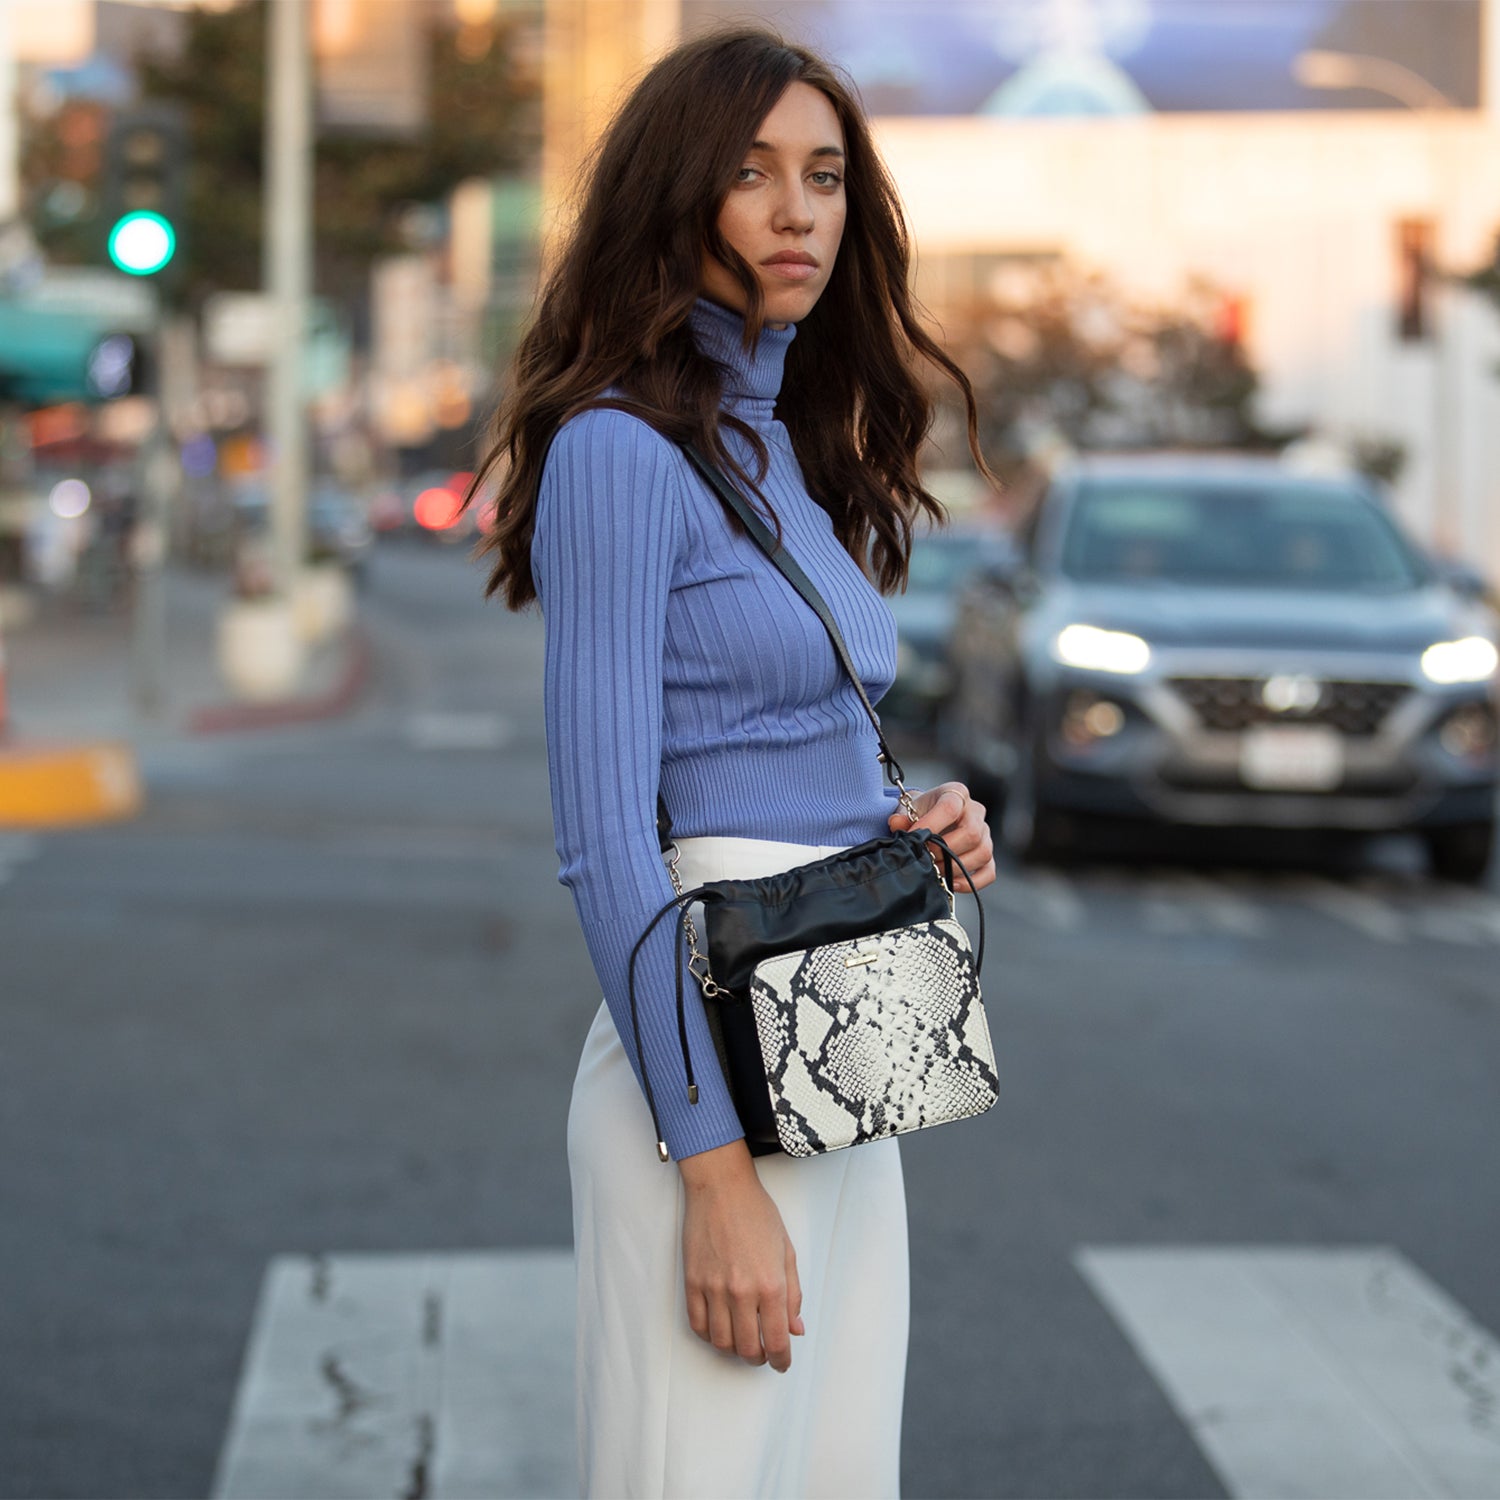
(794, 209)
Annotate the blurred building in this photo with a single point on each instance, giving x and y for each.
(410, 359)
(594, 51)
(1327, 230)
(1330, 165)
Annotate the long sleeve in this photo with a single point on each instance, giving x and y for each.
(609, 527)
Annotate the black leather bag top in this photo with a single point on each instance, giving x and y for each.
(886, 882)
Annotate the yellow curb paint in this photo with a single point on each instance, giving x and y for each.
(53, 786)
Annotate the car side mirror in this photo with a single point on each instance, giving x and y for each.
(1465, 581)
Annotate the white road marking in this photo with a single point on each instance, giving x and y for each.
(1339, 1374)
(456, 731)
(1223, 908)
(1449, 926)
(1058, 901)
(1477, 909)
(1163, 912)
(15, 850)
(1041, 897)
(1175, 903)
(1365, 913)
(446, 1376)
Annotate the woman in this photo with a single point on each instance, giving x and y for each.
(737, 276)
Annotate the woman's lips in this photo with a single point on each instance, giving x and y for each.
(790, 270)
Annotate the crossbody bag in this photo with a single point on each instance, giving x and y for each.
(843, 994)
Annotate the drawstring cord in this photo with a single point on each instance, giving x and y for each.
(699, 893)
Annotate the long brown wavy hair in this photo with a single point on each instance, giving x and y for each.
(613, 314)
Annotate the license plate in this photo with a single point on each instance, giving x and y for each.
(1292, 757)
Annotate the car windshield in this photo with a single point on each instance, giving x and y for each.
(1281, 535)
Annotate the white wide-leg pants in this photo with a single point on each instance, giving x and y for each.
(663, 1413)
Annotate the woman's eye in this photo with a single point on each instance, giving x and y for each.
(827, 179)
(745, 174)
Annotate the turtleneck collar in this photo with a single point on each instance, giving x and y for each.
(751, 381)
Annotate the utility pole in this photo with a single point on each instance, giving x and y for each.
(10, 126)
(288, 240)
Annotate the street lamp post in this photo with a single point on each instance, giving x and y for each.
(288, 207)
(1353, 70)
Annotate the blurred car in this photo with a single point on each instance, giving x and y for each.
(427, 504)
(338, 526)
(942, 561)
(1217, 641)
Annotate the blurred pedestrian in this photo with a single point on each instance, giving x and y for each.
(737, 276)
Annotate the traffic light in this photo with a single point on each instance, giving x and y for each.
(144, 188)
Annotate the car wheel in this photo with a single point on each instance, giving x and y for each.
(1462, 852)
(1030, 829)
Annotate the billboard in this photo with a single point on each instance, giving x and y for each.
(1119, 57)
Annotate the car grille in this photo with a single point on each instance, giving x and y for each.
(1381, 781)
(1235, 703)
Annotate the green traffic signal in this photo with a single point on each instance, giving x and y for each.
(142, 243)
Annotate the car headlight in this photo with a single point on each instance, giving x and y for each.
(1097, 650)
(1473, 659)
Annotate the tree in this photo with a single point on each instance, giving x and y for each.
(1054, 351)
(485, 119)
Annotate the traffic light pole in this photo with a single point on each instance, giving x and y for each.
(10, 121)
(158, 494)
(288, 240)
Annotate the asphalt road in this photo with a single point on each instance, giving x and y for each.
(327, 994)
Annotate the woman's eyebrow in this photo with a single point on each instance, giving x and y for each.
(816, 151)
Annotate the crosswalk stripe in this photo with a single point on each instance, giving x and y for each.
(1482, 911)
(448, 1376)
(1300, 1372)
(1223, 908)
(1175, 903)
(459, 731)
(1041, 897)
(15, 850)
(1331, 1374)
(1057, 901)
(15, 847)
(1450, 926)
(1367, 914)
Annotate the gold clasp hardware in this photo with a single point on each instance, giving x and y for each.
(856, 959)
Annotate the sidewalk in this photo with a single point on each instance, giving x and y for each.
(69, 688)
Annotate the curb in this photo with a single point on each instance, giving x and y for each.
(58, 786)
(222, 718)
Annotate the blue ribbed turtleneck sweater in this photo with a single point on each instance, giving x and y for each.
(675, 647)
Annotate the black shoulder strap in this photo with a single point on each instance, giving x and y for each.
(765, 538)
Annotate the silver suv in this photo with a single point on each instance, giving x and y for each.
(1219, 640)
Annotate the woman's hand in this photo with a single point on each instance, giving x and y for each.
(948, 809)
(743, 1295)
